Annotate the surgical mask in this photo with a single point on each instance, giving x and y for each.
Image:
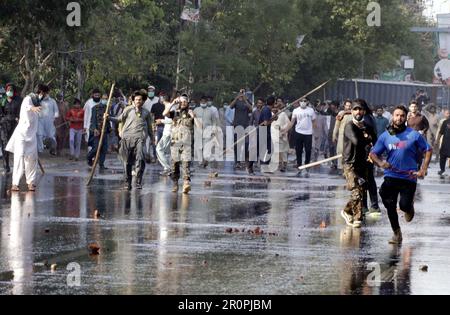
(10, 93)
(103, 102)
(303, 104)
(209, 104)
(203, 105)
(96, 99)
(151, 94)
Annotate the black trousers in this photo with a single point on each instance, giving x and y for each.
(390, 191)
(303, 142)
(443, 161)
(371, 187)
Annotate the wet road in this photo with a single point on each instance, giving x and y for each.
(156, 242)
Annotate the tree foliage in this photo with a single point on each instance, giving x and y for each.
(237, 43)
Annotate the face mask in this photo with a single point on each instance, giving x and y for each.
(96, 99)
(10, 93)
(151, 94)
(103, 102)
(203, 105)
(209, 104)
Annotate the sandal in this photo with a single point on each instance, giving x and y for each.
(31, 187)
(15, 188)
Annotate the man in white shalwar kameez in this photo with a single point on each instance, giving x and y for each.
(46, 130)
(279, 137)
(206, 123)
(23, 143)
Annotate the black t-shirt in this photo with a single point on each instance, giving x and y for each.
(157, 110)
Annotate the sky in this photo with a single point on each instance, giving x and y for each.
(437, 7)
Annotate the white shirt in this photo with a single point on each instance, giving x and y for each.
(304, 118)
(167, 126)
(88, 113)
(24, 139)
(49, 109)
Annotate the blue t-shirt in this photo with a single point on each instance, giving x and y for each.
(403, 151)
(266, 114)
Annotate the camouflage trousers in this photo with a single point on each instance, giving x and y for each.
(356, 183)
(181, 158)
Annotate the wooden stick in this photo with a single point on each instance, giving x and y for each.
(41, 167)
(276, 115)
(102, 135)
(304, 167)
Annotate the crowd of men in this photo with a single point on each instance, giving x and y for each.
(150, 127)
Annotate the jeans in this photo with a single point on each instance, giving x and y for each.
(75, 142)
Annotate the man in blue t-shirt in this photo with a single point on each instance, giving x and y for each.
(404, 147)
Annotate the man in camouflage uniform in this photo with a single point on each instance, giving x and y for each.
(181, 145)
(358, 138)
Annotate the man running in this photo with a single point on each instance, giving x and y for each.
(404, 147)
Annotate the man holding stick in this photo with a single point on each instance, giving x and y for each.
(358, 138)
(404, 147)
(137, 126)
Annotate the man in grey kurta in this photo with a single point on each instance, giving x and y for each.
(136, 127)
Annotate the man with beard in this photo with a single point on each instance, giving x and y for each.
(137, 125)
(181, 146)
(96, 96)
(404, 146)
(9, 117)
(358, 138)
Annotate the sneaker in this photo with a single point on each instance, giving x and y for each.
(397, 238)
(127, 186)
(299, 174)
(70, 158)
(440, 173)
(374, 212)
(250, 171)
(31, 187)
(307, 174)
(409, 216)
(103, 168)
(139, 186)
(15, 188)
(347, 217)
